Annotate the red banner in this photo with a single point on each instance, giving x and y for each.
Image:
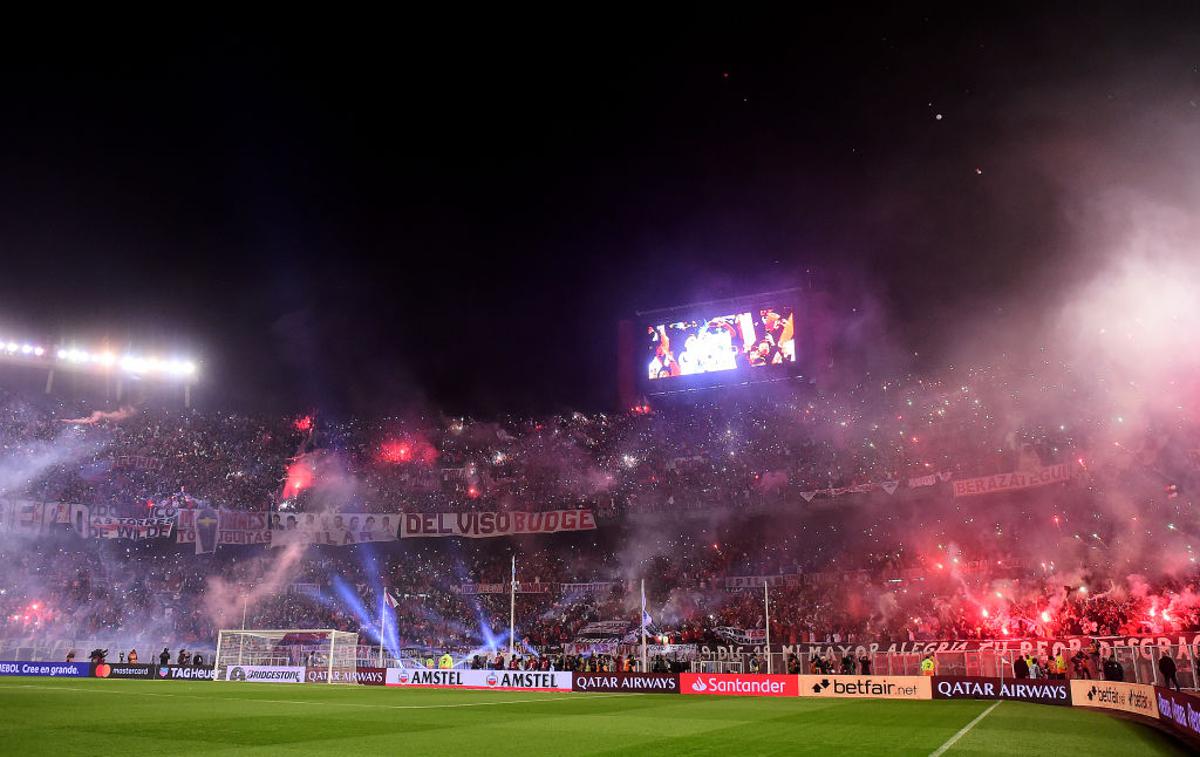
(739, 685)
(476, 525)
(1007, 482)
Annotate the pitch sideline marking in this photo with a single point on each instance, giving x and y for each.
(335, 704)
(963, 731)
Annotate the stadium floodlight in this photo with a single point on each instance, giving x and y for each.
(24, 347)
(70, 356)
(316, 655)
(135, 365)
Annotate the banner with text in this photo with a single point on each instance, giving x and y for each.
(124, 670)
(523, 587)
(481, 525)
(1179, 645)
(185, 673)
(590, 587)
(888, 486)
(873, 687)
(264, 673)
(731, 684)
(1007, 482)
(1137, 698)
(364, 676)
(135, 529)
(29, 518)
(209, 528)
(499, 680)
(46, 669)
(657, 683)
(1181, 711)
(740, 583)
(742, 635)
(338, 529)
(603, 629)
(1040, 691)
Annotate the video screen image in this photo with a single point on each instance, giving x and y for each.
(754, 339)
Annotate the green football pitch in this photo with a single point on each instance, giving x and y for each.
(102, 717)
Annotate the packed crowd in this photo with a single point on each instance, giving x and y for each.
(731, 450)
(155, 594)
(689, 495)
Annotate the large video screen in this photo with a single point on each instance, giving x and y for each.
(756, 338)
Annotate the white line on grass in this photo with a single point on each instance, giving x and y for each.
(963, 731)
(321, 703)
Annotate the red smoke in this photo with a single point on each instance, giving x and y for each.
(395, 452)
(300, 476)
(406, 450)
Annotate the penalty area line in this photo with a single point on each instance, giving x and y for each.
(318, 703)
(963, 731)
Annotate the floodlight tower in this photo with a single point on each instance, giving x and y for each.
(102, 363)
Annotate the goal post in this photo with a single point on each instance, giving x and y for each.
(309, 655)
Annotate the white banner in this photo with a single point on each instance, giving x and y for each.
(588, 588)
(264, 674)
(742, 636)
(920, 482)
(105, 524)
(29, 518)
(1001, 482)
(498, 680)
(888, 486)
(523, 587)
(338, 529)
(604, 628)
(481, 525)
(738, 583)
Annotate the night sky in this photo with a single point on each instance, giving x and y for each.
(339, 219)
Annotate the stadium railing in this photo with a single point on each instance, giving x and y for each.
(717, 666)
(38, 649)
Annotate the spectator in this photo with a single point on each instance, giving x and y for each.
(1166, 666)
(1079, 665)
(1112, 669)
(793, 664)
(1020, 668)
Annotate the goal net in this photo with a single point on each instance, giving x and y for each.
(286, 655)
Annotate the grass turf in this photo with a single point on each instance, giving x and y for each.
(89, 716)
